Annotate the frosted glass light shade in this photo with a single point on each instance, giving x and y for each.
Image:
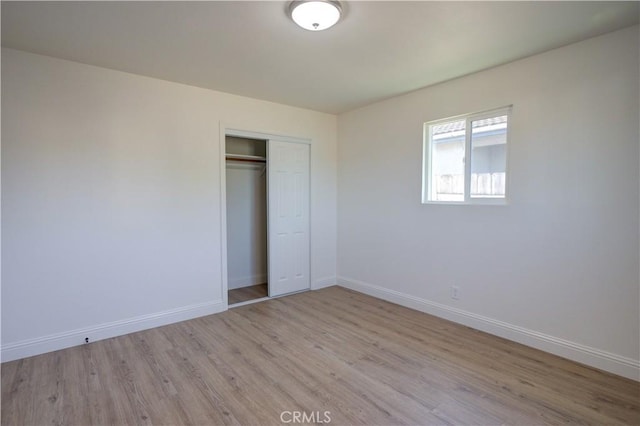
(315, 15)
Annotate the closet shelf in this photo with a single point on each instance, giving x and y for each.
(249, 158)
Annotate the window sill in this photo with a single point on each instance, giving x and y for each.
(476, 202)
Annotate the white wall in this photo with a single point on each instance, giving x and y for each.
(246, 224)
(557, 268)
(111, 199)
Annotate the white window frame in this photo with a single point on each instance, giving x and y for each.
(427, 158)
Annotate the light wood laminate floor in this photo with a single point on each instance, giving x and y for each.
(244, 294)
(363, 360)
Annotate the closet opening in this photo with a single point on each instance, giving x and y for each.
(246, 204)
(266, 252)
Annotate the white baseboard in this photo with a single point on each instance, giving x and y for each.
(77, 337)
(247, 281)
(593, 357)
(323, 283)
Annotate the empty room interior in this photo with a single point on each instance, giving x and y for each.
(320, 212)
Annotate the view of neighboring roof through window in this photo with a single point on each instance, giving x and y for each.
(448, 177)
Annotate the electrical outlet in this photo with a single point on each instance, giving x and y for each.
(455, 292)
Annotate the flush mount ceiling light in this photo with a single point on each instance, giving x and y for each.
(315, 15)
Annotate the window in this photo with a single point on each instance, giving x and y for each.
(450, 175)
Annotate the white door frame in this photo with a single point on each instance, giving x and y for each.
(238, 131)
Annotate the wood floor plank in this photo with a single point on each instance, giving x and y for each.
(362, 360)
(244, 294)
(473, 353)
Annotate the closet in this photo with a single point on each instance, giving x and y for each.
(246, 181)
(267, 217)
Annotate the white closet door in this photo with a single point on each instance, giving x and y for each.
(288, 215)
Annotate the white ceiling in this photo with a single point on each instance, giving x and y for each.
(380, 49)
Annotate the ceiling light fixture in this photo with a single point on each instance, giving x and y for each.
(315, 15)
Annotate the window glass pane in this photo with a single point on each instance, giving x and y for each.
(447, 161)
(488, 157)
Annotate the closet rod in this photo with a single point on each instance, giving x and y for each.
(247, 158)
